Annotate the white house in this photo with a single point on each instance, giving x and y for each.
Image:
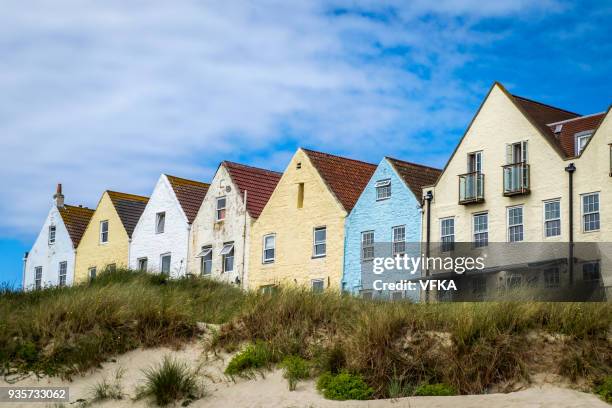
(221, 230)
(160, 241)
(50, 262)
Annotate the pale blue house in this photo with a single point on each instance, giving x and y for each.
(386, 221)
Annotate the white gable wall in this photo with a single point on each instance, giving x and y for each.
(146, 243)
(50, 256)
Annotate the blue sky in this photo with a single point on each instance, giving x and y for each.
(108, 95)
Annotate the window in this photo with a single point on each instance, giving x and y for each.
(318, 285)
(367, 294)
(221, 201)
(481, 230)
(515, 224)
(610, 159)
(590, 212)
(396, 296)
(475, 162)
(298, 165)
(51, 234)
(38, 277)
(300, 195)
(319, 244)
(227, 256)
(399, 240)
(551, 278)
(63, 270)
(165, 261)
(269, 246)
(111, 267)
(479, 286)
(383, 189)
(514, 281)
(206, 260)
(582, 138)
(591, 272)
(160, 222)
(552, 218)
(367, 245)
(92, 273)
(142, 264)
(269, 289)
(103, 232)
(447, 234)
(516, 153)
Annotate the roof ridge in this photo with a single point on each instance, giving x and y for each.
(188, 180)
(545, 104)
(336, 156)
(577, 118)
(128, 195)
(413, 164)
(79, 207)
(248, 165)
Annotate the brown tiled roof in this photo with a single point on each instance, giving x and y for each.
(569, 128)
(416, 176)
(190, 195)
(129, 207)
(75, 220)
(346, 178)
(259, 184)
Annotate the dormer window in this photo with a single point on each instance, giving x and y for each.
(51, 234)
(383, 189)
(582, 138)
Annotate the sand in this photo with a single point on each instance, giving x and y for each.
(270, 389)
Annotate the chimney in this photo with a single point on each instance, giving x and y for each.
(59, 197)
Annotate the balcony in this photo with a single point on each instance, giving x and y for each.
(516, 179)
(471, 188)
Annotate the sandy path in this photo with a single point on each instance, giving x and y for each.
(272, 390)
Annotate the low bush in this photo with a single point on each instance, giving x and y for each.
(424, 390)
(169, 382)
(254, 356)
(344, 386)
(295, 368)
(604, 389)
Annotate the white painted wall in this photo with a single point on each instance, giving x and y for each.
(49, 256)
(147, 243)
(207, 231)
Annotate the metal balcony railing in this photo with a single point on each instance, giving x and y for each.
(471, 188)
(516, 179)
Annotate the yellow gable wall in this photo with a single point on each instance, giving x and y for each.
(91, 253)
(294, 227)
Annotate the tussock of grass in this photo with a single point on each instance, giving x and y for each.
(109, 389)
(169, 382)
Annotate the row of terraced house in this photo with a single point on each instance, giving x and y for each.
(525, 177)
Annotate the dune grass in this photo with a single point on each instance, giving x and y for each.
(170, 381)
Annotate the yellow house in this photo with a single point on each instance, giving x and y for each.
(299, 237)
(106, 241)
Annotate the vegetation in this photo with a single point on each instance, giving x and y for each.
(295, 368)
(344, 386)
(254, 356)
(169, 382)
(441, 390)
(109, 389)
(604, 389)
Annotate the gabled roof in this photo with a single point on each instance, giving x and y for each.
(190, 195)
(416, 176)
(567, 136)
(259, 184)
(76, 220)
(129, 207)
(346, 178)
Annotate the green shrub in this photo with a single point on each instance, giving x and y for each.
(443, 390)
(344, 386)
(170, 381)
(604, 389)
(295, 368)
(254, 356)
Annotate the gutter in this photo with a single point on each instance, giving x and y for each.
(428, 198)
(570, 171)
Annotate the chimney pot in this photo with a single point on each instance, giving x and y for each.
(59, 197)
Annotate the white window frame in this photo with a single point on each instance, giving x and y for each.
(220, 210)
(52, 233)
(316, 243)
(92, 272)
(62, 273)
(447, 246)
(317, 281)
(38, 272)
(522, 224)
(553, 219)
(205, 256)
(103, 238)
(265, 248)
(139, 262)
(161, 263)
(481, 242)
(579, 137)
(399, 240)
(160, 229)
(227, 252)
(383, 189)
(585, 213)
(478, 164)
(367, 244)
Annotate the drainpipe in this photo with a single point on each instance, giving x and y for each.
(428, 198)
(23, 273)
(570, 171)
(244, 238)
(188, 246)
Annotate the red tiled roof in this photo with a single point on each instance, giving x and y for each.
(190, 195)
(346, 178)
(416, 176)
(129, 207)
(567, 136)
(76, 220)
(259, 184)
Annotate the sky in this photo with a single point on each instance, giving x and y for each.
(109, 95)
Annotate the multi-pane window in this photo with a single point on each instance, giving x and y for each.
(447, 234)
(479, 286)
(51, 234)
(582, 139)
(319, 246)
(142, 264)
(269, 248)
(63, 270)
(103, 232)
(318, 285)
(160, 222)
(165, 261)
(206, 260)
(481, 230)
(399, 240)
(227, 256)
(367, 245)
(551, 278)
(38, 277)
(92, 273)
(221, 202)
(515, 224)
(552, 218)
(383, 189)
(591, 272)
(590, 212)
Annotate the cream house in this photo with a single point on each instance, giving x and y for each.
(506, 192)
